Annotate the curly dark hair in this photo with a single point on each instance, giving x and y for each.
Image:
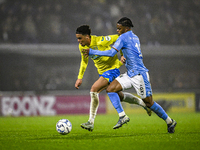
(84, 30)
(125, 22)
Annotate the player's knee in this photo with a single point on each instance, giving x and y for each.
(148, 104)
(94, 89)
(148, 101)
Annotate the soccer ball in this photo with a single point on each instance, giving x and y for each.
(64, 126)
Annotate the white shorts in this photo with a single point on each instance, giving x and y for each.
(140, 82)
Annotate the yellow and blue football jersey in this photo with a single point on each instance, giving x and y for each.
(102, 63)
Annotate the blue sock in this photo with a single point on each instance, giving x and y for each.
(159, 111)
(115, 100)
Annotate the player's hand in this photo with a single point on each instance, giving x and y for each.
(78, 83)
(86, 52)
(123, 59)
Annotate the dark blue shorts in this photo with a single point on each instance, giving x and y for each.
(110, 75)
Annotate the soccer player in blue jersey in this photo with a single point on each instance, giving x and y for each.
(136, 76)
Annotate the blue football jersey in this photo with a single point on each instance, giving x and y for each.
(129, 43)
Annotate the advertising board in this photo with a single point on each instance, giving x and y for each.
(47, 105)
(171, 102)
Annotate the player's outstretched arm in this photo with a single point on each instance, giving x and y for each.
(110, 53)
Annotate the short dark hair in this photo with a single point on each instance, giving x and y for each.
(125, 22)
(84, 30)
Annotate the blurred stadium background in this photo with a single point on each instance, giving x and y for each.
(40, 58)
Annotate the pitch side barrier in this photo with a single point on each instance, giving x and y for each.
(75, 102)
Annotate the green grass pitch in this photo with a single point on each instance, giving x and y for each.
(142, 132)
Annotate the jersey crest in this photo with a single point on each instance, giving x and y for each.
(108, 38)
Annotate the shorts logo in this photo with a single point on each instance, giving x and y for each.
(141, 90)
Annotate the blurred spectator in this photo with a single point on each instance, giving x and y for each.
(30, 31)
(165, 22)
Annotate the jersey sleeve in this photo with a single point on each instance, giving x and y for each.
(118, 44)
(83, 64)
(107, 40)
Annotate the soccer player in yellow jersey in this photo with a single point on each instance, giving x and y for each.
(107, 67)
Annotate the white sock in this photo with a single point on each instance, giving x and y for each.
(168, 120)
(129, 98)
(122, 114)
(94, 104)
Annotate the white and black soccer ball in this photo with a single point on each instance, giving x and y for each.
(64, 126)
